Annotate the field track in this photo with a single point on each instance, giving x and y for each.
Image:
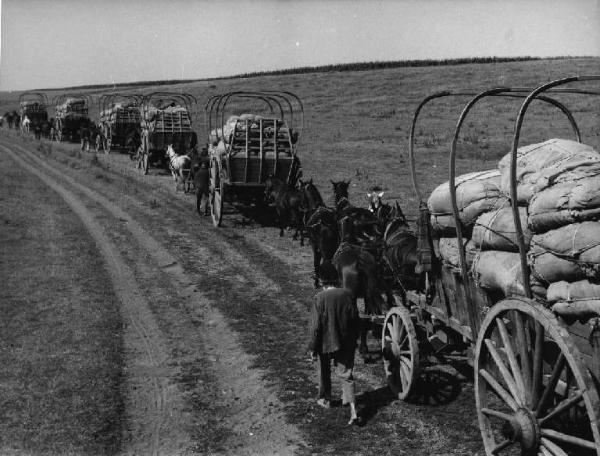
(215, 328)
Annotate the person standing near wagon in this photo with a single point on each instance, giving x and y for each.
(334, 328)
(201, 183)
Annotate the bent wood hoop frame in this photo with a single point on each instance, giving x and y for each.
(506, 92)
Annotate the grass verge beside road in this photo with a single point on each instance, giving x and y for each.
(60, 331)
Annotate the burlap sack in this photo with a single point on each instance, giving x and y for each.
(569, 253)
(565, 203)
(476, 193)
(495, 230)
(573, 291)
(448, 251)
(499, 272)
(544, 164)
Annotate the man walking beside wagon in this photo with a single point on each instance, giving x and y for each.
(334, 328)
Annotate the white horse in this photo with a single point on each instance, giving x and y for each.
(25, 122)
(179, 165)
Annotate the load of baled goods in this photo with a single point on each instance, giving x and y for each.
(72, 106)
(558, 191)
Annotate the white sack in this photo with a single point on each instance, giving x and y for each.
(495, 230)
(476, 193)
(499, 272)
(569, 253)
(548, 163)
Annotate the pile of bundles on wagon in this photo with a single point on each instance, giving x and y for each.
(558, 188)
(72, 106)
(32, 106)
(122, 112)
(254, 125)
(172, 117)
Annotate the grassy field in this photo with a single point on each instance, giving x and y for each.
(357, 122)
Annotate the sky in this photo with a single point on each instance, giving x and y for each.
(58, 43)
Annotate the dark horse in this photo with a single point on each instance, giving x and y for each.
(288, 204)
(366, 224)
(320, 223)
(361, 273)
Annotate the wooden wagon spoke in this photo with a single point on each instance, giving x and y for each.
(496, 414)
(538, 363)
(544, 452)
(512, 360)
(510, 382)
(524, 355)
(562, 407)
(570, 439)
(502, 445)
(499, 389)
(552, 447)
(391, 332)
(549, 390)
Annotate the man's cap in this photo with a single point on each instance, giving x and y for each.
(328, 273)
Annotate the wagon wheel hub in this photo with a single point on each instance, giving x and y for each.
(525, 429)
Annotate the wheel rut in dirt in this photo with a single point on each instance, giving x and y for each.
(252, 406)
(260, 284)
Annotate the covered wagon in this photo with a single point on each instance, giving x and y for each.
(251, 136)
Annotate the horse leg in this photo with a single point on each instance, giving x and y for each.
(316, 262)
(198, 201)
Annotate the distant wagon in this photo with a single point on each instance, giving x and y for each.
(34, 105)
(166, 118)
(245, 149)
(71, 115)
(120, 120)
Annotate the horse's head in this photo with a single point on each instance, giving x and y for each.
(170, 151)
(374, 200)
(340, 189)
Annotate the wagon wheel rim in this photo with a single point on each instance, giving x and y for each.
(545, 399)
(108, 145)
(97, 145)
(400, 352)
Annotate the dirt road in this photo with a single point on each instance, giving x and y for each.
(214, 327)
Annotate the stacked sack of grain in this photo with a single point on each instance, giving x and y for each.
(558, 191)
(559, 180)
(487, 227)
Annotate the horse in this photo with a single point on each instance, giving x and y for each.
(288, 204)
(25, 123)
(375, 200)
(366, 223)
(401, 252)
(179, 165)
(360, 273)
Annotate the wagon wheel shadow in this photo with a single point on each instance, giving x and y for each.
(263, 215)
(436, 387)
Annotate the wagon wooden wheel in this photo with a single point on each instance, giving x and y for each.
(215, 198)
(98, 144)
(534, 394)
(400, 351)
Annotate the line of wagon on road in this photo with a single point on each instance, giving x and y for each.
(536, 361)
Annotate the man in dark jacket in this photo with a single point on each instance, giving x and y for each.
(201, 182)
(334, 326)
